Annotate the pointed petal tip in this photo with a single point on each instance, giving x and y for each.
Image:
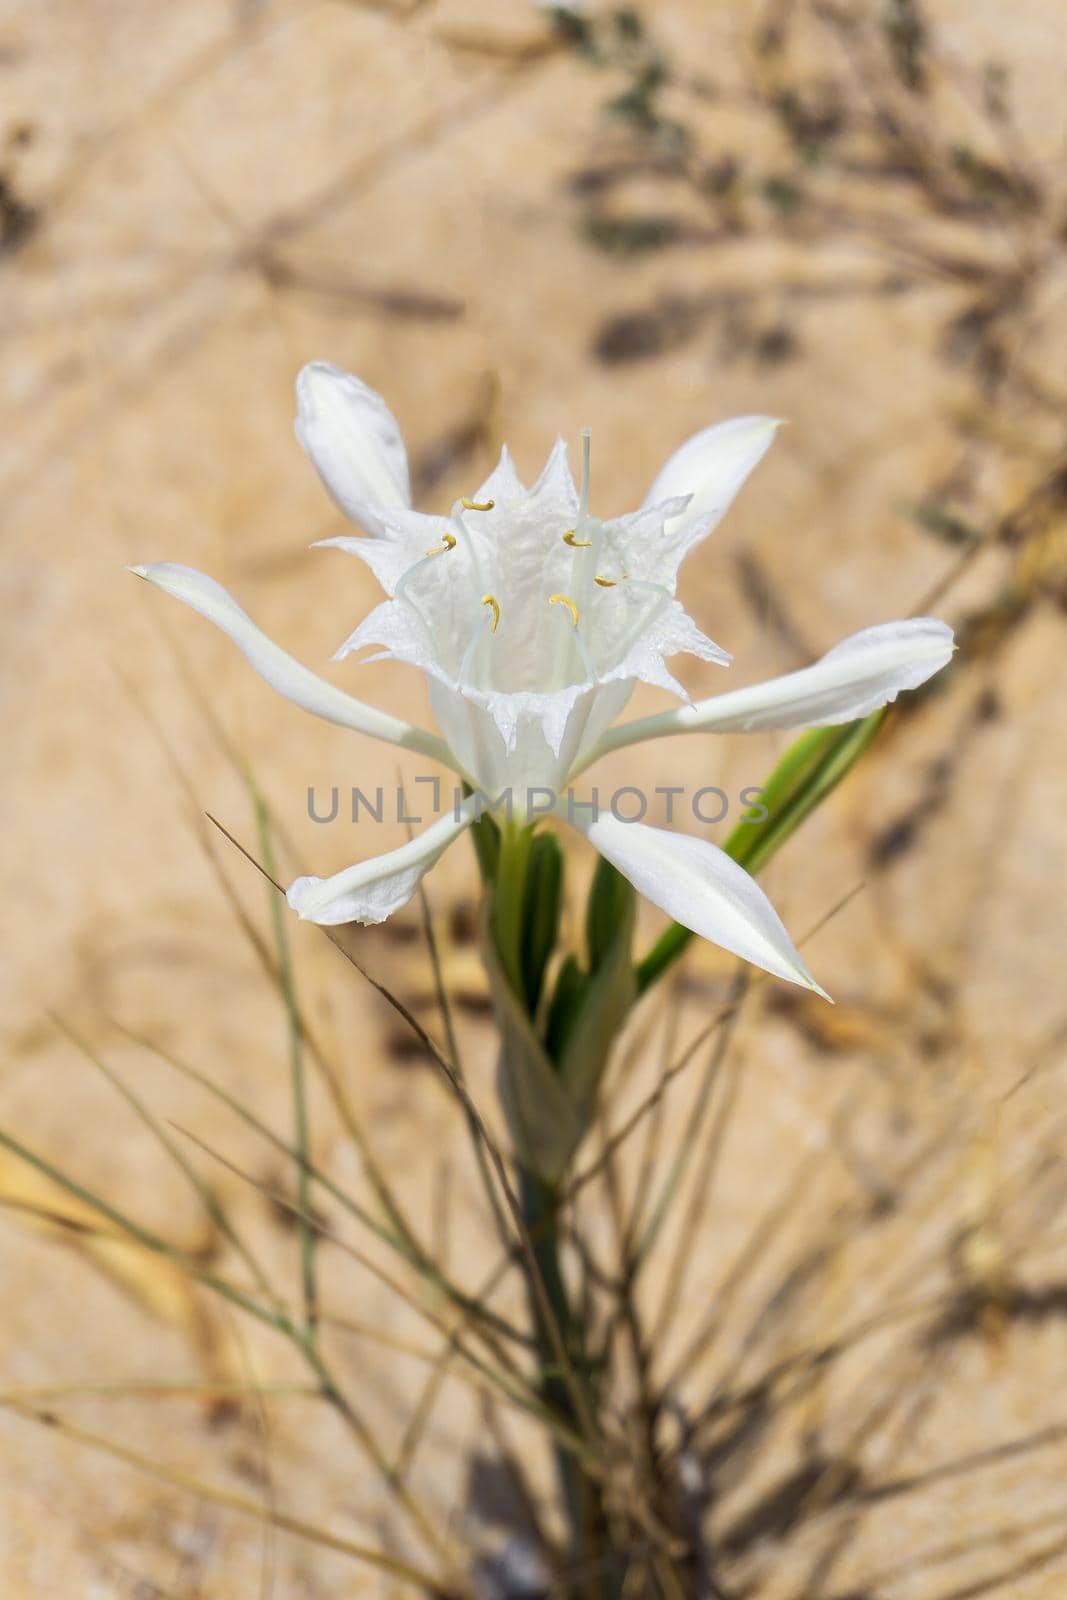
(817, 988)
(803, 977)
(756, 422)
(138, 572)
(710, 468)
(761, 427)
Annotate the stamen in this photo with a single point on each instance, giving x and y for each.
(464, 535)
(448, 543)
(478, 505)
(586, 659)
(466, 666)
(413, 606)
(571, 538)
(608, 583)
(562, 600)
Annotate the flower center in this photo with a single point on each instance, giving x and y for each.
(530, 596)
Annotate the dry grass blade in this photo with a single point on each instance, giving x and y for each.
(546, 1310)
(687, 1146)
(238, 1297)
(215, 1210)
(329, 1073)
(646, 1166)
(147, 1239)
(754, 1250)
(445, 1007)
(406, 1571)
(301, 1125)
(655, 1096)
(154, 1388)
(423, 1410)
(472, 1305)
(509, 1383)
(614, 1141)
(997, 1539)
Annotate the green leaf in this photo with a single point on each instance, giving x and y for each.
(544, 884)
(486, 836)
(541, 1117)
(810, 769)
(807, 773)
(611, 899)
(607, 996)
(570, 987)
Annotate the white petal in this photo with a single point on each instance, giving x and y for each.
(397, 629)
(503, 484)
(385, 557)
(863, 672)
(354, 441)
(554, 492)
(698, 885)
(372, 890)
(296, 682)
(711, 467)
(670, 633)
(523, 741)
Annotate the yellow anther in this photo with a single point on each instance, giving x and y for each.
(478, 505)
(449, 543)
(606, 583)
(562, 600)
(570, 537)
(492, 601)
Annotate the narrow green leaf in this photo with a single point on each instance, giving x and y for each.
(811, 768)
(486, 836)
(605, 1000)
(544, 886)
(611, 902)
(820, 760)
(541, 1119)
(571, 985)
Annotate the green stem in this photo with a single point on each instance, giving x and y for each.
(521, 929)
(582, 1494)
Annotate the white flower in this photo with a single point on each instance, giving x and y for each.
(532, 620)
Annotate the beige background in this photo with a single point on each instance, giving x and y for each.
(223, 191)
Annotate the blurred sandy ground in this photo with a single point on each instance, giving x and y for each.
(199, 198)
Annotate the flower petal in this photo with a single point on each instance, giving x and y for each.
(354, 441)
(698, 885)
(296, 682)
(710, 468)
(554, 492)
(372, 890)
(386, 558)
(863, 672)
(503, 484)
